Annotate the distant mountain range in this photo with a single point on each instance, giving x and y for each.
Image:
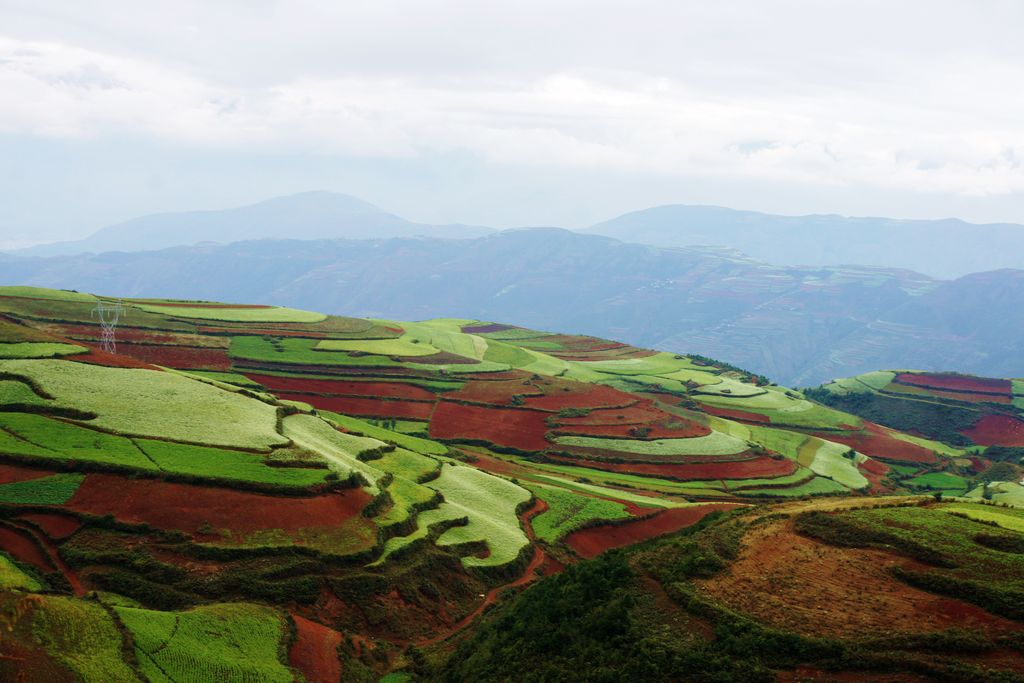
(799, 326)
(306, 216)
(945, 248)
(948, 248)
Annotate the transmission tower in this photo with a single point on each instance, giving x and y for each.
(108, 314)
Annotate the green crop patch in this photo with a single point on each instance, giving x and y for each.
(52, 490)
(15, 392)
(39, 350)
(13, 577)
(939, 481)
(81, 636)
(300, 351)
(151, 403)
(44, 293)
(716, 443)
(490, 503)
(341, 451)
(218, 463)
(406, 346)
(270, 314)
(568, 511)
(365, 428)
(227, 642)
(67, 441)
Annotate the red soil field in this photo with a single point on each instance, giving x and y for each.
(876, 442)
(510, 427)
(734, 414)
(342, 387)
(261, 332)
(593, 541)
(315, 651)
(957, 383)
(439, 358)
(186, 304)
(498, 393)
(997, 430)
(184, 507)
(612, 354)
(142, 335)
(484, 329)
(12, 473)
(626, 431)
(761, 466)
(20, 546)
(364, 406)
(178, 357)
(110, 360)
(579, 395)
(54, 525)
(343, 371)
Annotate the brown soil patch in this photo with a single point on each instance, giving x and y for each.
(797, 584)
(593, 541)
(183, 507)
(315, 651)
(12, 473)
(54, 525)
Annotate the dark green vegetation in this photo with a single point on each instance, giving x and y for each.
(257, 493)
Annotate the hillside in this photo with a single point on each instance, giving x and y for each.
(983, 417)
(829, 240)
(245, 491)
(800, 326)
(306, 216)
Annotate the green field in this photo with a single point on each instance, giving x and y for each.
(413, 443)
(227, 642)
(12, 577)
(406, 346)
(152, 403)
(44, 293)
(943, 481)
(340, 451)
(567, 511)
(67, 441)
(1007, 518)
(53, 490)
(273, 314)
(39, 350)
(716, 443)
(830, 461)
(218, 463)
(82, 636)
(490, 504)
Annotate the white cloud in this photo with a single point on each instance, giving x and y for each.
(834, 94)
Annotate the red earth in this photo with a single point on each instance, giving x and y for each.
(365, 406)
(54, 525)
(997, 430)
(498, 393)
(761, 466)
(735, 414)
(179, 357)
(12, 473)
(592, 541)
(876, 442)
(185, 304)
(342, 387)
(957, 383)
(111, 360)
(484, 329)
(167, 505)
(315, 651)
(22, 548)
(560, 394)
(510, 427)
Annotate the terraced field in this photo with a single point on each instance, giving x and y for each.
(236, 469)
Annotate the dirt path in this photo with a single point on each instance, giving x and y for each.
(526, 577)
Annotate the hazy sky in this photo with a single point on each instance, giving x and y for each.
(509, 113)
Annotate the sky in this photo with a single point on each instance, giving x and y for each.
(559, 112)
